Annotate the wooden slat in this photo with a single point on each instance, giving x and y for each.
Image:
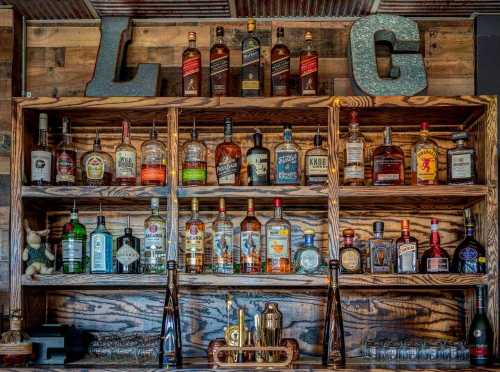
(290, 192)
(173, 181)
(106, 192)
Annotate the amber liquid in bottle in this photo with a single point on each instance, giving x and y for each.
(194, 241)
(191, 69)
(219, 66)
(308, 68)
(280, 66)
(228, 158)
(250, 241)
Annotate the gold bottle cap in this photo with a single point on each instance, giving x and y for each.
(222, 205)
(309, 232)
(194, 204)
(192, 36)
(405, 224)
(251, 24)
(251, 204)
(308, 36)
(348, 232)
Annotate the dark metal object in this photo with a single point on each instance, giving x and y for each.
(116, 33)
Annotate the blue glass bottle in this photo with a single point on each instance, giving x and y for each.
(101, 249)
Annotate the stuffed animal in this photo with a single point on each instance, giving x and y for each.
(39, 260)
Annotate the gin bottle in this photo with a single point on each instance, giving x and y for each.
(101, 248)
(154, 258)
(74, 244)
(128, 252)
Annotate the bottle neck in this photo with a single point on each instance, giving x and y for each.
(309, 46)
(279, 40)
(308, 241)
(334, 277)
(194, 214)
(405, 233)
(435, 241)
(172, 278)
(353, 128)
(250, 212)
(287, 135)
(469, 231)
(278, 212)
(348, 241)
(480, 304)
(42, 137)
(74, 216)
(192, 44)
(387, 139)
(126, 134)
(460, 144)
(155, 211)
(424, 133)
(220, 40)
(378, 235)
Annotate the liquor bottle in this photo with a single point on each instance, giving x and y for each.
(280, 66)
(219, 66)
(97, 165)
(333, 340)
(461, 162)
(425, 159)
(435, 259)
(406, 250)
(128, 253)
(307, 258)
(316, 163)
(258, 163)
(222, 242)
(194, 161)
(66, 157)
(155, 253)
(250, 57)
(388, 163)
(153, 161)
(194, 241)
(480, 332)
(250, 241)
(381, 256)
(350, 256)
(191, 69)
(41, 156)
(308, 68)
(170, 353)
(228, 158)
(101, 248)
(126, 159)
(354, 155)
(287, 157)
(278, 241)
(74, 244)
(470, 256)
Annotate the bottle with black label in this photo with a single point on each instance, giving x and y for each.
(480, 332)
(258, 163)
(280, 66)
(250, 67)
(128, 253)
(219, 66)
(316, 163)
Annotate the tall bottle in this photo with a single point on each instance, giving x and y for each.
(316, 163)
(425, 159)
(155, 249)
(153, 161)
(222, 242)
(354, 155)
(228, 158)
(170, 353)
(406, 250)
(280, 66)
(250, 241)
(191, 69)
(194, 241)
(66, 157)
(97, 165)
(128, 253)
(388, 163)
(470, 255)
(41, 156)
(308, 68)
(101, 248)
(480, 332)
(287, 160)
(258, 163)
(250, 67)
(126, 159)
(278, 241)
(194, 161)
(333, 340)
(219, 66)
(74, 245)
(435, 259)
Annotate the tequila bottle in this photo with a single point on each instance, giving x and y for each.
(258, 163)
(287, 157)
(278, 241)
(74, 245)
(66, 157)
(219, 66)
(316, 163)
(155, 253)
(194, 241)
(126, 159)
(350, 256)
(307, 258)
(222, 242)
(250, 240)
(228, 158)
(41, 156)
(153, 161)
(128, 252)
(354, 155)
(381, 256)
(194, 161)
(101, 248)
(97, 165)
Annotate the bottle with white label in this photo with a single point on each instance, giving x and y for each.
(41, 156)
(258, 163)
(74, 244)
(461, 162)
(101, 248)
(222, 242)
(278, 241)
(287, 160)
(354, 155)
(126, 159)
(154, 258)
(128, 252)
(316, 163)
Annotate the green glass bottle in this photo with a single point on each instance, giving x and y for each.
(74, 242)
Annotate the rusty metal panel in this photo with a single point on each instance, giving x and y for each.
(438, 8)
(51, 9)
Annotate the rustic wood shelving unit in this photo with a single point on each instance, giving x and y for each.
(437, 306)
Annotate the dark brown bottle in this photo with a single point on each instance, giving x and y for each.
(480, 332)
(308, 68)
(280, 66)
(191, 69)
(219, 66)
(250, 57)
(333, 344)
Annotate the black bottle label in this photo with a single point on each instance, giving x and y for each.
(258, 169)
(250, 73)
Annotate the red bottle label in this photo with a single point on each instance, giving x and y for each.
(308, 65)
(65, 168)
(479, 351)
(191, 66)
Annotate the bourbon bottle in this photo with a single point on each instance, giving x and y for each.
(191, 69)
(308, 68)
(219, 66)
(388, 163)
(250, 58)
(228, 158)
(280, 66)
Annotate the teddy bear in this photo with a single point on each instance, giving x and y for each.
(39, 260)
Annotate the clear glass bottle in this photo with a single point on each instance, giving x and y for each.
(220, 73)
(66, 157)
(308, 68)
(41, 155)
(126, 159)
(406, 250)
(228, 158)
(128, 253)
(461, 162)
(280, 66)
(74, 245)
(250, 57)
(287, 160)
(194, 241)
(278, 241)
(153, 161)
(316, 163)
(191, 69)
(307, 258)
(222, 242)
(388, 163)
(258, 163)
(470, 255)
(350, 256)
(354, 155)
(155, 250)
(381, 255)
(194, 161)
(435, 259)
(250, 241)
(425, 159)
(101, 248)
(97, 165)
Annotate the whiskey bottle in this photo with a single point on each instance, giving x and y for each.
(170, 353)
(258, 163)
(97, 165)
(219, 66)
(101, 248)
(128, 252)
(154, 257)
(250, 239)
(194, 161)
(41, 156)
(126, 159)
(74, 244)
(278, 241)
(307, 258)
(435, 259)
(194, 241)
(250, 66)
(280, 66)
(316, 163)
(228, 158)
(354, 155)
(469, 257)
(287, 157)
(350, 256)
(308, 68)
(425, 159)
(461, 162)
(191, 69)
(333, 340)
(381, 256)
(480, 332)
(388, 163)
(222, 242)
(153, 161)
(406, 250)
(66, 157)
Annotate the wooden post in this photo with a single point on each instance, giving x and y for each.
(173, 180)
(333, 179)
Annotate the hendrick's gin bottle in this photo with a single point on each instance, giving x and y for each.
(480, 332)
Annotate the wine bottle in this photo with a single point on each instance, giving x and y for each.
(480, 332)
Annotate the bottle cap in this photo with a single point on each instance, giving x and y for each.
(155, 203)
(222, 205)
(348, 232)
(308, 36)
(354, 117)
(219, 31)
(460, 136)
(228, 126)
(65, 125)
(378, 227)
(171, 265)
(194, 204)
(287, 126)
(192, 36)
(194, 132)
(424, 125)
(308, 232)
(388, 136)
(405, 224)
(318, 140)
(43, 121)
(280, 31)
(251, 204)
(334, 264)
(257, 138)
(251, 25)
(277, 203)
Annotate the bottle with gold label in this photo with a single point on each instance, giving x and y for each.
(97, 165)
(194, 241)
(250, 68)
(350, 256)
(425, 159)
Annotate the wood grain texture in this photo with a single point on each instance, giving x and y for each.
(173, 180)
(108, 192)
(333, 182)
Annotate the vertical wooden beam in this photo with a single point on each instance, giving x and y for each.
(333, 179)
(173, 181)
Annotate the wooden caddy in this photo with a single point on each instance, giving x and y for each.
(444, 302)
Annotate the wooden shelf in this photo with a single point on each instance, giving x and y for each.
(255, 280)
(108, 192)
